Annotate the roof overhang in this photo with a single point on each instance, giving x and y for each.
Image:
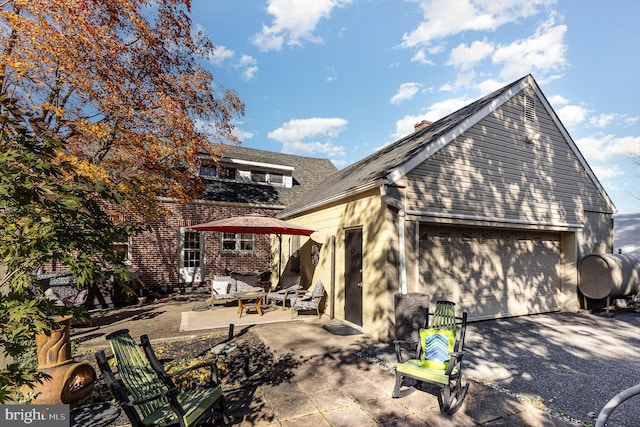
(256, 164)
(335, 198)
(488, 221)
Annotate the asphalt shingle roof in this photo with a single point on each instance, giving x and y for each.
(308, 173)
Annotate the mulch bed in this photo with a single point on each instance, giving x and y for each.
(264, 368)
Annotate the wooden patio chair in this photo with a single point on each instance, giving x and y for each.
(148, 395)
(309, 301)
(288, 290)
(438, 358)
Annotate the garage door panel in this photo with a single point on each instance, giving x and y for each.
(491, 274)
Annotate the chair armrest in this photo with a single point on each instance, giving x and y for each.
(293, 291)
(454, 360)
(215, 379)
(398, 346)
(301, 295)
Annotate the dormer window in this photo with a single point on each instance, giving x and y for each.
(210, 171)
(217, 171)
(258, 176)
(248, 171)
(226, 172)
(276, 178)
(267, 177)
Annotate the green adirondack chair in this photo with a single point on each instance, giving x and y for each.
(148, 395)
(438, 358)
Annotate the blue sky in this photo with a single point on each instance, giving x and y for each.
(339, 79)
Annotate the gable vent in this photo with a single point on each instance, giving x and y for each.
(529, 108)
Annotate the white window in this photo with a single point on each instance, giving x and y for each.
(191, 268)
(217, 171)
(208, 171)
(122, 246)
(258, 176)
(275, 178)
(238, 242)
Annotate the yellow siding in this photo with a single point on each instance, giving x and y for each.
(363, 211)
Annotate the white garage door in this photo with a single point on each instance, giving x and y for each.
(491, 273)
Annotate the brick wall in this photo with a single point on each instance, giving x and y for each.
(155, 254)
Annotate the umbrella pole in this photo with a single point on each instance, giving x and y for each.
(279, 255)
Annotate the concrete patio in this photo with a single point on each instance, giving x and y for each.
(517, 369)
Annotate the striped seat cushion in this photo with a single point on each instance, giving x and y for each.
(436, 346)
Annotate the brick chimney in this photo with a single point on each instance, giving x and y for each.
(423, 124)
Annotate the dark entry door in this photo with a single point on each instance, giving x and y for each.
(353, 276)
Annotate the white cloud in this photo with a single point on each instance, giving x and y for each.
(462, 80)
(465, 57)
(331, 75)
(444, 18)
(220, 55)
(571, 115)
(293, 22)
(602, 120)
(556, 100)
(489, 85)
(406, 92)
(249, 66)
(247, 63)
(326, 149)
(249, 73)
(607, 147)
(421, 58)
(295, 134)
(448, 106)
(405, 125)
(241, 134)
(246, 60)
(543, 52)
(607, 172)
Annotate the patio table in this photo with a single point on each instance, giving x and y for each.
(255, 296)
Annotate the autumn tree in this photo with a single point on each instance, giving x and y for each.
(121, 81)
(99, 106)
(48, 213)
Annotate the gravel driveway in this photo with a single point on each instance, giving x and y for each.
(571, 363)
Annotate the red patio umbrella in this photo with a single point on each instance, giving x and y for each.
(256, 224)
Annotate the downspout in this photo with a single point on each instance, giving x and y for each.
(401, 239)
(332, 306)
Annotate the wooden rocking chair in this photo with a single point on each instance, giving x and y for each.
(148, 395)
(438, 358)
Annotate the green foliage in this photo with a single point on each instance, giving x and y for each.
(49, 215)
